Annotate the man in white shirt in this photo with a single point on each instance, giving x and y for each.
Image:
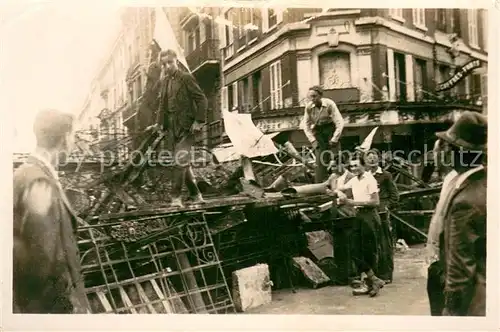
(323, 125)
(364, 245)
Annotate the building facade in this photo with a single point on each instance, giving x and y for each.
(367, 60)
(381, 66)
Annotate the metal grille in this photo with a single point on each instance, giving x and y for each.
(153, 264)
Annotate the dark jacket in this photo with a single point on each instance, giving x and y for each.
(46, 262)
(388, 192)
(463, 248)
(181, 103)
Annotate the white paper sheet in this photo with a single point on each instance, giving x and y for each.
(247, 139)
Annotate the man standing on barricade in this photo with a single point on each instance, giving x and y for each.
(181, 113)
(46, 269)
(323, 125)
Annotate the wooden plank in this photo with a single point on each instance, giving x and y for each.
(151, 210)
(104, 301)
(161, 296)
(407, 224)
(126, 300)
(270, 199)
(416, 212)
(420, 192)
(144, 297)
(123, 196)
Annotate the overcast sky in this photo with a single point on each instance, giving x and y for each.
(49, 54)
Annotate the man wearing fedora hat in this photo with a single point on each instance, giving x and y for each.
(461, 223)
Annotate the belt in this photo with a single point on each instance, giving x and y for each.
(322, 122)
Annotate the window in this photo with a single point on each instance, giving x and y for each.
(137, 44)
(441, 19)
(485, 29)
(396, 13)
(247, 100)
(152, 19)
(229, 17)
(400, 76)
(275, 80)
(475, 86)
(224, 99)
(455, 22)
(256, 22)
(230, 102)
(204, 30)
(257, 90)
(191, 42)
(420, 79)
(335, 70)
(271, 17)
(249, 22)
(472, 24)
(243, 17)
(419, 17)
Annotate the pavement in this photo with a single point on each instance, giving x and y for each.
(405, 296)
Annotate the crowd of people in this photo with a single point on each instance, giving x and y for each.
(46, 269)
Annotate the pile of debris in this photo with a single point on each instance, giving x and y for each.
(141, 256)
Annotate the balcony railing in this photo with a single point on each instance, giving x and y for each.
(207, 51)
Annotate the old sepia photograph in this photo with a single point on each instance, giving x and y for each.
(247, 160)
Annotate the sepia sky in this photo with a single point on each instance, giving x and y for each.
(49, 55)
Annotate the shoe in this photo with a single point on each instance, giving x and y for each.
(376, 285)
(361, 290)
(356, 283)
(177, 202)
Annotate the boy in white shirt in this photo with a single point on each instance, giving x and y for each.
(364, 245)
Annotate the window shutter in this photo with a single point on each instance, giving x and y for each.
(279, 15)
(272, 85)
(279, 86)
(479, 28)
(265, 19)
(222, 34)
(224, 100)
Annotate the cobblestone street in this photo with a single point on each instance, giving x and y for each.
(405, 296)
